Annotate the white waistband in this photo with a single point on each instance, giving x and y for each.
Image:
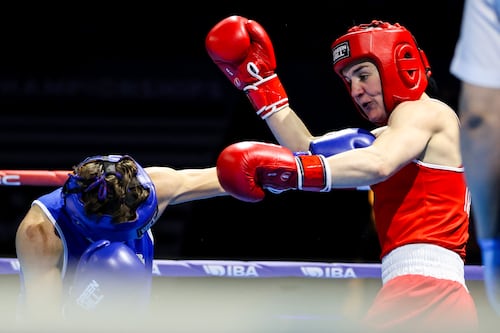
(423, 259)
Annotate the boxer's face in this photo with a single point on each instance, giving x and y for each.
(366, 90)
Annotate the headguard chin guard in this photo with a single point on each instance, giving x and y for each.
(96, 227)
(403, 67)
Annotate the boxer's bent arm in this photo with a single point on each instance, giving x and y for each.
(39, 250)
(289, 130)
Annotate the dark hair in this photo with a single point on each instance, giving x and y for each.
(111, 188)
(432, 88)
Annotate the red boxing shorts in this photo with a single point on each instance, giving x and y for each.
(418, 303)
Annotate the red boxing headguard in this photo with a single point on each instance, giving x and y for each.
(403, 67)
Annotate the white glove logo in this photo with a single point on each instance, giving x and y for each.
(91, 296)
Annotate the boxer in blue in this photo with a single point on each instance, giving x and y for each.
(87, 247)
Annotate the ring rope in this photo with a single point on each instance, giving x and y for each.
(33, 177)
(260, 269)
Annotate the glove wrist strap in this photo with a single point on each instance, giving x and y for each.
(267, 96)
(313, 173)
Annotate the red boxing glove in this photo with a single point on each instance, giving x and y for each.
(246, 169)
(243, 51)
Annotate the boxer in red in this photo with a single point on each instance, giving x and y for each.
(414, 167)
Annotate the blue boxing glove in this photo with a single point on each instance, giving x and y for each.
(109, 279)
(490, 252)
(339, 141)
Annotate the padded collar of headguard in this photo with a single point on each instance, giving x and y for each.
(95, 227)
(403, 67)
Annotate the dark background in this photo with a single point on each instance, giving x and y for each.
(88, 80)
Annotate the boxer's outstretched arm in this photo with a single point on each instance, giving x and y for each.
(176, 186)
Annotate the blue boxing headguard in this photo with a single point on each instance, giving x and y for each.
(101, 226)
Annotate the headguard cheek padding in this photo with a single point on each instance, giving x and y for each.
(403, 67)
(97, 227)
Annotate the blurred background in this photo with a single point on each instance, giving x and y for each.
(87, 80)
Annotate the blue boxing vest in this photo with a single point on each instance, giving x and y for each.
(74, 243)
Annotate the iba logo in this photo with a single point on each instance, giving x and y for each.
(231, 270)
(328, 272)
